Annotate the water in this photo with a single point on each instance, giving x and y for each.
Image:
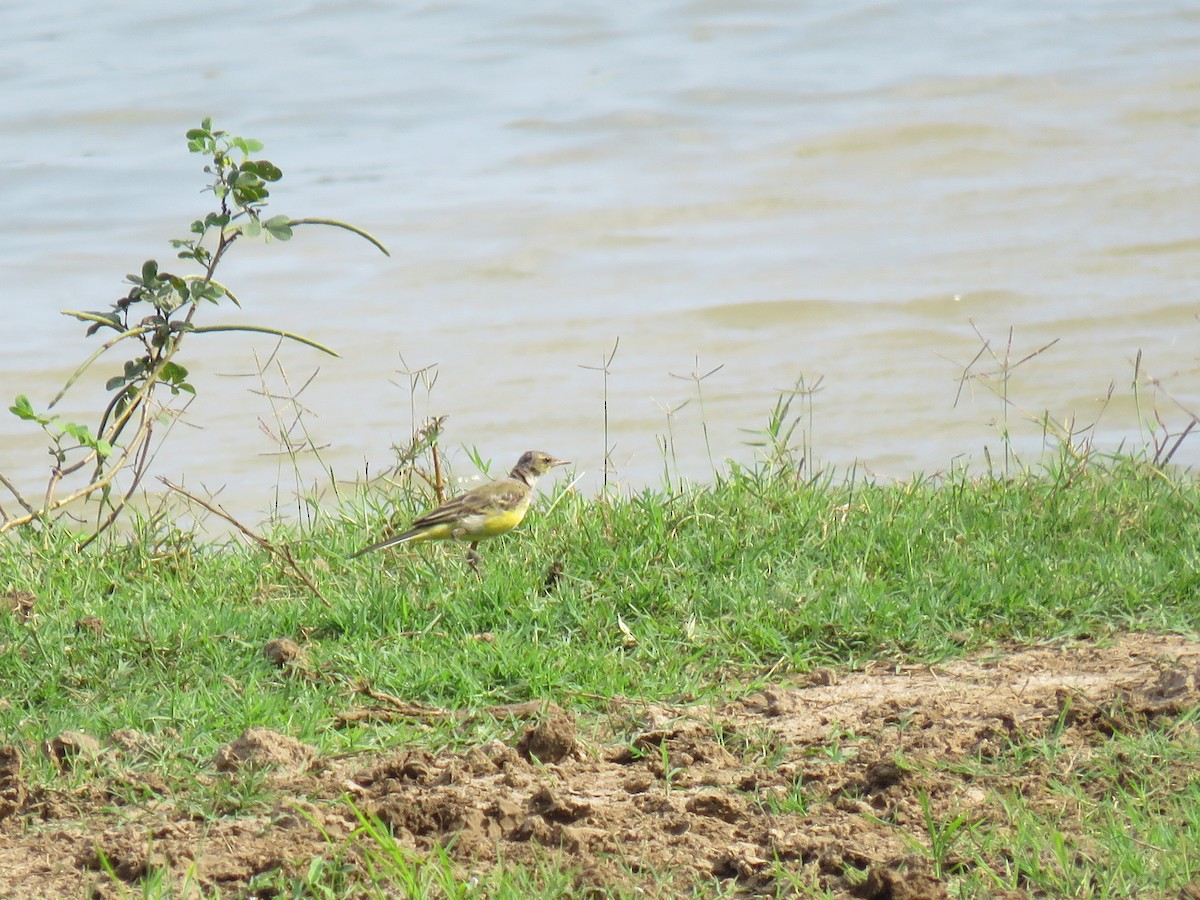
(853, 192)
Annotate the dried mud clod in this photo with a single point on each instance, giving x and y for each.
(93, 625)
(262, 748)
(553, 574)
(134, 746)
(286, 653)
(72, 748)
(887, 883)
(125, 856)
(1174, 681)
(555, 808)
(552, 739)
(877, 777)
(12, 785)
(19, 603)
(683, 754)
(716, 804)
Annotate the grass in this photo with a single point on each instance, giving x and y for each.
(697, 593)
(658, 596)
(1122, 817)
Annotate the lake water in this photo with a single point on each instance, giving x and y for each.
(851, 192)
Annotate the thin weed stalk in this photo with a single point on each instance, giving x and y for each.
(696, 377)
(606, 369)
(998, 381)
(290, 432)
(666, 446)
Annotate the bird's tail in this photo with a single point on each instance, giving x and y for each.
(404, 538)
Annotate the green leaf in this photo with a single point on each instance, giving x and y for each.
(173, 373)
(149, 270)
(199, 140)
(247, 194)
(247, 145)
(203, 133)
(81, 433)
(103, 449)
(252, 228)
(197, 253)
(100, 317)
(125, 398)
(279, 227)
(267, 171)
(23, 409)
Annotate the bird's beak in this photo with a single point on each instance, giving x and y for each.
(560, 462)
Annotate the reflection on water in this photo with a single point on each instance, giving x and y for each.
(854, 192)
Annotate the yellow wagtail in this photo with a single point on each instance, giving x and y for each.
(481, 513)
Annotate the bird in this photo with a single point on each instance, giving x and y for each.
(484, 512)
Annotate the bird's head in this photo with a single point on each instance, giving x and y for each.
(533, 464)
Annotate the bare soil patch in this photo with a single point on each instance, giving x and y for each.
(822, 780)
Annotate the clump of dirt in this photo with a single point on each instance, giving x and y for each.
(133, 745)
(19, 603)
(12, 786)
(827, 785)
(71, 748)
(263, 749)
(286, 653)
(551, 740)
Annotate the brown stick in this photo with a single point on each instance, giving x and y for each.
(283, 553)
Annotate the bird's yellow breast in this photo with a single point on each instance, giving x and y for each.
(480, 526)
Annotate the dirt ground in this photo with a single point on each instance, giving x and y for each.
(654, 798)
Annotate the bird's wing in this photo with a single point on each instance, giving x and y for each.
(449, 512)
(496, 497)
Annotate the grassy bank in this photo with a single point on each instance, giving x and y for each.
(705, 593)
(650, 596)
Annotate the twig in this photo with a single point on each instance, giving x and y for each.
(439, 482)
(283, 553)
(404, 707)
(12, 489)
(54, 505)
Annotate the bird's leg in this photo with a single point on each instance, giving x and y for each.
(473, 557)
